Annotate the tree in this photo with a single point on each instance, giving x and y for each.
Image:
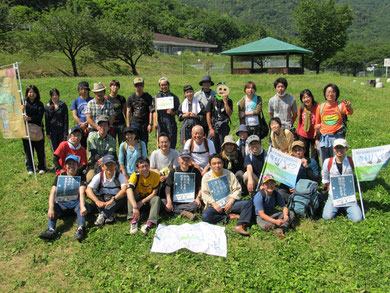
(67, 30)
(322, 28)
(125, 39)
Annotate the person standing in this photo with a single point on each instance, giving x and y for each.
(119, 104)
(204, 95)
(33, 111)
(56, 119)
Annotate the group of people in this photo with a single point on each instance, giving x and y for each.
(115, 178)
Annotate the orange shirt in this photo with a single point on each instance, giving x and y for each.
(331, 119)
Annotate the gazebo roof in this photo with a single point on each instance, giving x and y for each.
(266, 46)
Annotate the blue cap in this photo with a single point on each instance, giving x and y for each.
(72, 157)
(108, 159)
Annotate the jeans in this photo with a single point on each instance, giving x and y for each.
(111, 208)
(116, 131)
(154, 205)
(325, 146)
(61, 209)
(219, 137)
(39, 147)
(354, 212)
(242, 207)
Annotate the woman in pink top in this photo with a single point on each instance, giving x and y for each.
(306, 122)
(330, 119)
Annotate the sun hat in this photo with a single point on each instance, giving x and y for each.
(98, 87)
(206, 78)
(229, 139)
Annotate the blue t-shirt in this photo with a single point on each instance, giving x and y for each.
(80, 105)
(131, 156)
(257, 162)
(267, 204)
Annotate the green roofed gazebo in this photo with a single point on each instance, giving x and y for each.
(264, 48)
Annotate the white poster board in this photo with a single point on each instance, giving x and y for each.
(165, 103)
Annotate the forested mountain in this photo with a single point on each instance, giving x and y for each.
(370, 25)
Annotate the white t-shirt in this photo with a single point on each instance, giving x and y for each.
(158, 161)
(199, 153)
(107, 186)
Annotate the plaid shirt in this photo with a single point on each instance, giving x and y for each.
(101, 145)
(95, 110)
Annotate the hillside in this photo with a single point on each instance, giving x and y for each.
(369, 26)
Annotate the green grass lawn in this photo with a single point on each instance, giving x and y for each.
(318, 255)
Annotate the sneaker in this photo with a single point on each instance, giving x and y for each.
(49, 234)
(279, 233)
(41, 172)
(188, 215)
(111, 219)
(145, 228)
(133, 227)
(80, 233)
(100, 220)
(30, 172)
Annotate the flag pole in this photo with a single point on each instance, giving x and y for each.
(262, 171)
(16, 68)
(360, 194)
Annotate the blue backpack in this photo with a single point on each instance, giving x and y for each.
(305, 200)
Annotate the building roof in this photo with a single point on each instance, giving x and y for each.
(266, 46)
(160, 39)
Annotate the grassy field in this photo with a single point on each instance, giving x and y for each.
(318, 255)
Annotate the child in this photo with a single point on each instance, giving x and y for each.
(243, 134)
(57, 208)
(265, 202)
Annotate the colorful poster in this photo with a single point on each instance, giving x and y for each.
(369, 161)
(283, 167)
(68, 188)
(342, 190)
(11, 119)
(165, 103)
(220, 190)
(184, 188)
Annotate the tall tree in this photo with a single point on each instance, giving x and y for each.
(67, 30)
(322, 27)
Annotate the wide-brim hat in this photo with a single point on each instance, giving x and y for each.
(206, 78)
(98, 87)
(242, 127)
(229, 139)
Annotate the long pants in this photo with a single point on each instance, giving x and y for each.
(111, 208)
(279, 215)
(180, 207)
(116, 131)
(170, 128)
(60, 209)
(39, 147)
(310, 147)
(154, 205)
(354, 212)
(242, 207)
(142, 132)
(219, 137)
(56, 137)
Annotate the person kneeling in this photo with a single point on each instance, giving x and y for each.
(107, 190)
(141, 191)
(214, 213)
(59, 206)
(265, 202)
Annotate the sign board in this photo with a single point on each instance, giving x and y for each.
(387, 62)
(343, 190)
(220, 190)
(184, 188)
(68, 188)
(165, 103)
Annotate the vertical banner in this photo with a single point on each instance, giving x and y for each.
(11, 118)
(369, 161)
(283, 167)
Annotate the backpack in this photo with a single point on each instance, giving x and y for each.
(349, 159)
(345, 118)
(116, 181)
(305, 200)
(125, 150)
(206, 146)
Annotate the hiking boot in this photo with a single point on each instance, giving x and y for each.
(49, 234)
(234, 217)
(100, 220)
(279, 233)
(111, 219)
(240, 230)
(133, 227)
(188, 215)
(145, 228)
(80, 233)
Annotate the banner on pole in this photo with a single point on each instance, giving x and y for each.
(11, 110)
(283, 167)
(369, 161)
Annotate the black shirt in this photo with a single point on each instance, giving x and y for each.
(217, 109)
(140, 107)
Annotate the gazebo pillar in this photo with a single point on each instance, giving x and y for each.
(252, 67)
(287, 62)
(303, 64)
(231, 64)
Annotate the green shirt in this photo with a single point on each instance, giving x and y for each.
(101, 145)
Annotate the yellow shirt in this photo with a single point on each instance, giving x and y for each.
(145, 186)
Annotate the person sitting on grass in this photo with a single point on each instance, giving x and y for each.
(107, 190)
(142, 190)
(281, 139)
(214, 213)
(72, 146)
(183, 209)
(232, 158)
(338, 165)
(265, 202)
(60, 207)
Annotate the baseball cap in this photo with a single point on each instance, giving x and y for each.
(74, 129)
(298, 143)
(340, 141)
(138, 80)
(253, 138)
(184, 153)
(268, 177)
(108, 159)
(102, 118)
(72, 157)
